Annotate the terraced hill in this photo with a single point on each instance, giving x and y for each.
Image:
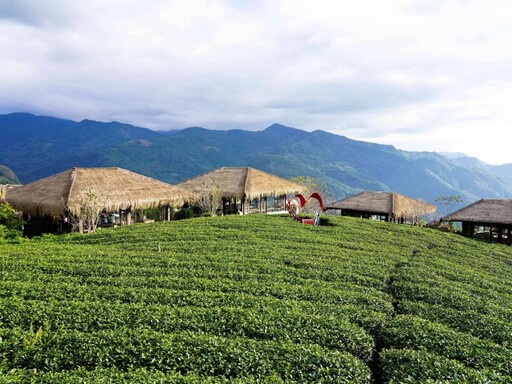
(256, 299)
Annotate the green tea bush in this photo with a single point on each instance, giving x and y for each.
(256, 299)
(420, 366)
(475, 323)
(411, 332)
(183, 352)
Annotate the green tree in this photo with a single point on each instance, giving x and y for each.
(448, 201)
(10, 223)
(9, 218)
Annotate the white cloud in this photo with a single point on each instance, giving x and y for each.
(401, 72)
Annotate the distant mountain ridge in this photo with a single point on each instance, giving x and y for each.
(38, 146)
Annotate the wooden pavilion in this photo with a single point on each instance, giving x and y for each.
(54, 204)
(245, 190)
(490, 219)
(386, 206)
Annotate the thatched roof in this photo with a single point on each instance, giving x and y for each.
(392, 204)
(117, 188)
(491, 211)
(5, 187)
(242, 181)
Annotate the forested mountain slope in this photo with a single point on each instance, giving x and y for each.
(35, 147)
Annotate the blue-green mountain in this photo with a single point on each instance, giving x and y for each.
(7, 176)
(38, 146)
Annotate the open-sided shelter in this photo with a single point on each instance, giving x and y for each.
(52, 203)
(387, 206)
(244, 189)
(487, 218)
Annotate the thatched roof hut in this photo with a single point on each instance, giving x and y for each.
(245, 184)
(242, 182)
(118, 189)
(392, 206)
(487, 218)
(6, 187)
(484, 211)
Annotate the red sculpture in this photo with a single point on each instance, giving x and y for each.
(293, 206)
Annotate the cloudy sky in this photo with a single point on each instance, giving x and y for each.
(431, 75)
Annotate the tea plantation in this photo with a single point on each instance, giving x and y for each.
(256, 299)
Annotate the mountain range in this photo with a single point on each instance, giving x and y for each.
(39, 146)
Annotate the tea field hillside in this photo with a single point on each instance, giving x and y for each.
(256, 299)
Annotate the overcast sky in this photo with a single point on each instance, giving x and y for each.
(432, 75)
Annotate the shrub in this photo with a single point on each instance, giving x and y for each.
(410, 366)
(184, 213)
(10, 224)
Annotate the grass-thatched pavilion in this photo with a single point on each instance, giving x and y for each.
(489, 219)
(56, 203)
(244, 189)
(4, 188)
(386, 206)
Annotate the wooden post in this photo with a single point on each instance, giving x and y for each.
(80, 225)
(128, 216)
(466, 229)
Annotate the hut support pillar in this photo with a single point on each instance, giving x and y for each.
(128, 217)
(468, 229)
